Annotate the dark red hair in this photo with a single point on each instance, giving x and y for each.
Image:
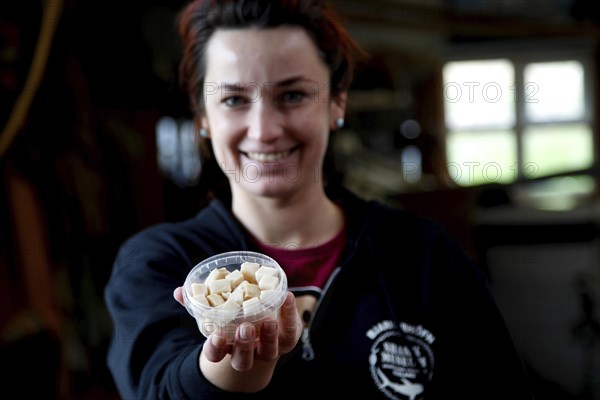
(200, 18)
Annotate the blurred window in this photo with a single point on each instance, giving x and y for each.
(507, 121)
(177, 151)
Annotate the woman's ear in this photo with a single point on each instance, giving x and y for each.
(338, 110)
(203, 122)
(340, 102)
(202, 127)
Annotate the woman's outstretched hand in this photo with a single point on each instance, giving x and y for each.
(247, 364)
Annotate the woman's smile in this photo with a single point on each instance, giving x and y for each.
(268, 157)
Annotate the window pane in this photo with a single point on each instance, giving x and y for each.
(190, 153)
(177, 151)
(476, 158)
(479, 94)
(167, 144)
(558, 148)
(554, 91)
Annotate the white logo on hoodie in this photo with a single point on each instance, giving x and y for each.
(401, 359)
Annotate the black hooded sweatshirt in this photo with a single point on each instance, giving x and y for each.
(406, 315)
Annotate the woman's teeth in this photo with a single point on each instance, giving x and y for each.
(268, 156)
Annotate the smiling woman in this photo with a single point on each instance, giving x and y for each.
(288, 84)
(401, 316)
(270, 119)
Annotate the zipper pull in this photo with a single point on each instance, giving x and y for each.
(307, 351)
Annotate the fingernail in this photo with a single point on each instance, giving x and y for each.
(217, 340)
(247, 332)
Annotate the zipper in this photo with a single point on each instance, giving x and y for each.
(308, 353)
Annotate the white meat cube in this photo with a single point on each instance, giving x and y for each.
(235, 277)
(248, 270)
(265, 271)
(264, 295)
(268, 282)
(250, 302)
(230, 304)
(237, 295)
(251, 290)
(215, 274)
(199, 289)
(201, 299)
(215, 299)
(219, 286)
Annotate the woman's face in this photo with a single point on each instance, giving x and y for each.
(268, 110)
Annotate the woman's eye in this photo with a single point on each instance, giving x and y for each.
(233, 101)
(293, 97)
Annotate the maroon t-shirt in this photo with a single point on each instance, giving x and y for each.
(310, 266)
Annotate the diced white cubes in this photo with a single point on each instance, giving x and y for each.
(238, 289)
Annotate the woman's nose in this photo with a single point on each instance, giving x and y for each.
(264, 122)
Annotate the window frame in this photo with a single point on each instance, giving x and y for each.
(521, 53)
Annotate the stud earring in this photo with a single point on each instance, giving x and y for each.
(203, 133)
(339, 123)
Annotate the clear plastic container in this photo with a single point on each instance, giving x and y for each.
(212, 318)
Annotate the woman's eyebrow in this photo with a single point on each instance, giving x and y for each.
(234, 87)
(286, 82)
(294, 80)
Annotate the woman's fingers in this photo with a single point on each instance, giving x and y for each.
(215, 347)
(268, 346)
(290, 325)
(276, 338)
(244, 344)
(178, 295)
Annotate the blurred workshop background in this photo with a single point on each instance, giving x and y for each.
(482, 115)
